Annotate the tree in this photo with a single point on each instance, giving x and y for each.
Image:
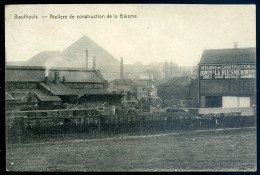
(166, 70)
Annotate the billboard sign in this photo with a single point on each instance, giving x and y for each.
(231, 71)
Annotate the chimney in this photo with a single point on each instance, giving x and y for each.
(46, 80)
(56, 79)
(235, 45)
(64, 80)
(94, 62)
(86, 59)
(121, 68)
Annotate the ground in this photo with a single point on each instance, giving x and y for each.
(221, 150)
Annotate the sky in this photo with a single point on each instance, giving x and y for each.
(160, 32)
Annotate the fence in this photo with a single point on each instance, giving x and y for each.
(22, 129)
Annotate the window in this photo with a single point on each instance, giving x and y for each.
(80, 86)
(98, 86)
(88, 86)
(213, 101)
(244, 101)
(235, 102)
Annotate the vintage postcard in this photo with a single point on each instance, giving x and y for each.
(130, 87)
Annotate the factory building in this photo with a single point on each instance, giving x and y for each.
(124, 86)
(133, 90)
(146, 87)
(54, 88)
(226, 81)
(175, 92)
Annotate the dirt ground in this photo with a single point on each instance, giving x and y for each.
(220, 150)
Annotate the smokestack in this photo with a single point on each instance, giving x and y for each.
(64, 80)
(94, 62)
(235, 45)
(121, 68)
(56, 79)
(46, 80)
(86, 59)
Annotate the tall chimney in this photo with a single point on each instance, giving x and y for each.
(235, 45)
(56, 79)
(94, 62)
(86, 59)
(121, 68)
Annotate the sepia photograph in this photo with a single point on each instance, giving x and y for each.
(130, 88)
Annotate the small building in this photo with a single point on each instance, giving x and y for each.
(49, 102)
(20, 100)
(157, 102)
(125, 87)
(146, 87)
(175, 92)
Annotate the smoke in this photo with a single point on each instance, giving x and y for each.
(66, 60)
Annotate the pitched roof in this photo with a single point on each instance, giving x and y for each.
(18, 95)
(82, 92)
(37, 74)
(8, 96)
(157, 98)
(102, 95)
(62, 89)
(49, 98)
(229, 56)
(25, 91)
(58, 89)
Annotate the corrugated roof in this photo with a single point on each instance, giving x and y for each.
(58, 89)
(37, 74)
(49, 98)
(62, 89)
(229, 56)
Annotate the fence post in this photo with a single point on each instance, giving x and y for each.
(141, 124)
(20, 129)
(165, 119)
(99, 123)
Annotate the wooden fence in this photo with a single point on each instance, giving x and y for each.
(23, 129)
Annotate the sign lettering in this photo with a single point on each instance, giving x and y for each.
(210, 72)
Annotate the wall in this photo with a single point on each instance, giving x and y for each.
(218, 80)
(233, 87)
(244, 111)
(20, 85)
